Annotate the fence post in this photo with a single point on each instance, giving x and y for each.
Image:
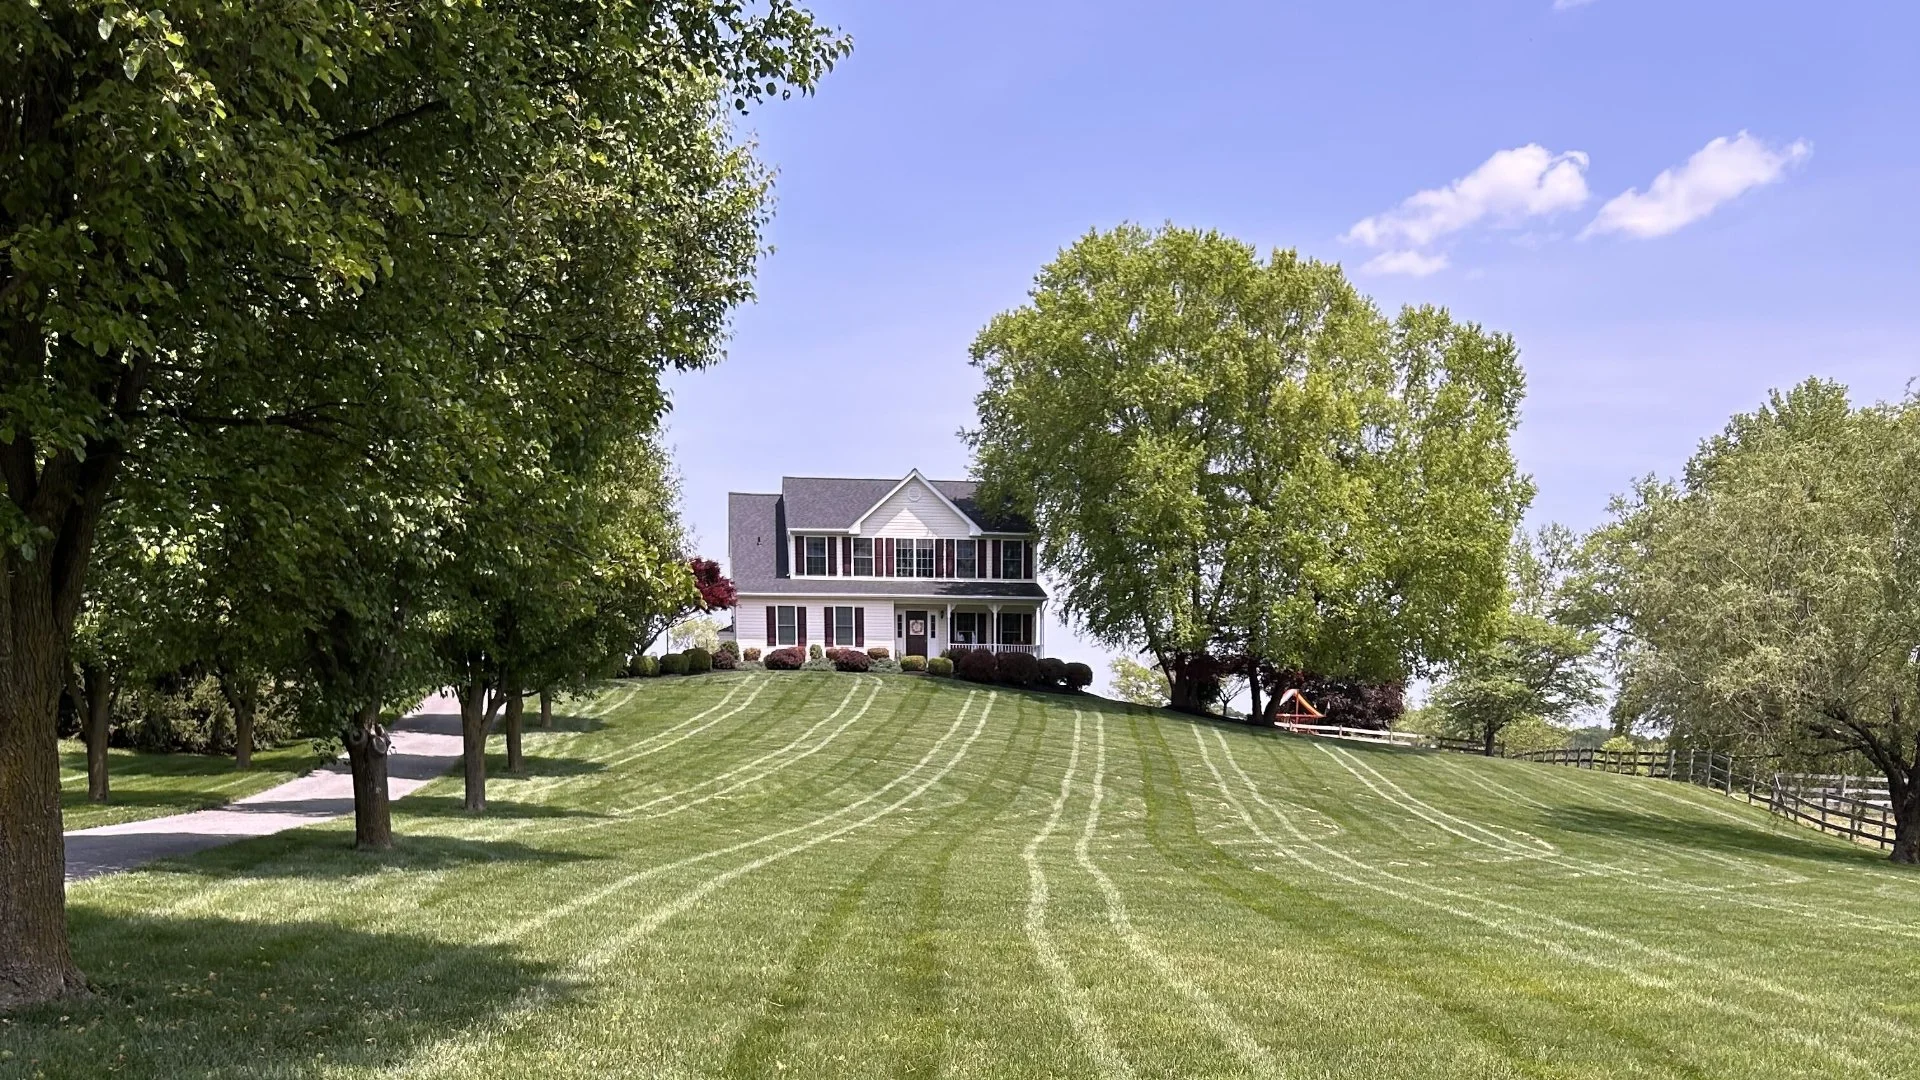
(1729, 775)
(1690, 753)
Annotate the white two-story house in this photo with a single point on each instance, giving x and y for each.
(911, 564)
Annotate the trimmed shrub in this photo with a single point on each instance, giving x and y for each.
(787, 659)
(954, 652)
(850, 660)
(1016, 668)
(1053, 673)
(730, 647)
(816, 651)
(1079, 676)
(879, 652)
(646, 667)
(699, 661)
(975, 665)
(673, 664)
(751, 654)
(913, 663)
(724, 660)
(940, 666)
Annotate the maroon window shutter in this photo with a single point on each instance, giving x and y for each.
(833, 557)
(889, 570)
(771, 616)
(859, 627)
(826, 627)
(846, 555)
(952, 546)
(800, 624)
(799, 556)
(993, 559)
(1026, 562)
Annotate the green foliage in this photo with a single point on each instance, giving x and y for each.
(699, 661)
(1769, 599)
(1530, 733)
(913, 663)
(1138, 683)
(816, 651)
(1538, 668)
(647, 667)
(1225, 452)
(673, 663)
(941, 666)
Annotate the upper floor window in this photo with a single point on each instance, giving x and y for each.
(1013, 558)
(965, 562)
(862, 556)
(923, 558)
(903, 558)
(816, 556)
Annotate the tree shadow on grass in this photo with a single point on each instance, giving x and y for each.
(209, 997)
(539, 765)
(454, 806)
(1722, 836)
(318, 855)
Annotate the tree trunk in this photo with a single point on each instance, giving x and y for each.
(99, 721)
(1253, 689)
(367, 747)
(35, 962)
(516, 712)
(476, 714)
(546, 708)
(243, 697)
(1488, 734)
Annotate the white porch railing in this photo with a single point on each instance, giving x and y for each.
(1001, 647)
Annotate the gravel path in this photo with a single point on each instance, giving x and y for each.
(425, 745)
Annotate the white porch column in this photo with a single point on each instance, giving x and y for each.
(1040, 628)
(993, 625)
(949, 625)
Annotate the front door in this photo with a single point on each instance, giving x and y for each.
(916, 633)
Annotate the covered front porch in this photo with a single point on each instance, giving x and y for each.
(1014, 626)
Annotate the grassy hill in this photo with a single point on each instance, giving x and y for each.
(830, 875)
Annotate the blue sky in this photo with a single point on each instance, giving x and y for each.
(962, 144)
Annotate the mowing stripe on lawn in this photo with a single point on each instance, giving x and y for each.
(1086, 1023)
(1237, 1038)
(1656, 884)
(589, 899)
(530, 1001)
(1554, 945)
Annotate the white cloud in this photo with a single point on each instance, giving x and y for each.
(1526, 181)
(1413, 263)
(1720, 172)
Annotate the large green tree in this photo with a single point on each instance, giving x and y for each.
(1230, 455)
(1768, 600)
(1540, 664)
(222, 216)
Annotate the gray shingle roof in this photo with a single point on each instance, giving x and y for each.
(757, 527)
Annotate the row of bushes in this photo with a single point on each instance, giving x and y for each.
(1015, 669)
(186, 713)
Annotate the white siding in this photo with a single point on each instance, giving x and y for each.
(927, 516)
(750, 618)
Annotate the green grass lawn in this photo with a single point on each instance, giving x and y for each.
(808, 875)
(151, 785)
